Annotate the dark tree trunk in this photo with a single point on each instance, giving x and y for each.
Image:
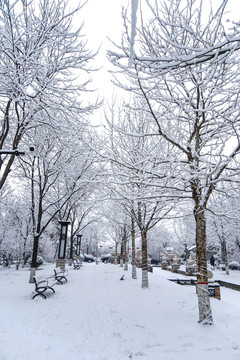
(134, 270)
(121, 255)
(205, 313)
(34, 258)
(225, 257)
(71, 248)
(116, 254)
(145, 283)
(125, 249)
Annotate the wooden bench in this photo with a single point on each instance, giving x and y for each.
(187, 281)
(175, 267)
(190, 270)
(76, 265)
(213, 287)
(60, 276)
(41, 287)
(184, 281)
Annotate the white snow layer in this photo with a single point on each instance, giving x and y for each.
(95, 316)
(133, 30)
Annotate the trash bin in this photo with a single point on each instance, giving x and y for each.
(214, 290)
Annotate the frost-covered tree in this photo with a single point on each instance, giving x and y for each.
(184, 230)
(113, 222)
(82, 212)
(164, 236)
(58, 176)
(41, 60)
(223, 215)
(15, 227)
(135, 164)
(185, 67)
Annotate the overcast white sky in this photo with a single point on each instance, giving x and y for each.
(102, 20)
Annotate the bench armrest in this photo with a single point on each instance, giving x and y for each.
(42, 283)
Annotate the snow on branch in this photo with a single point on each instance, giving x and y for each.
(197, 56)
(133, 30)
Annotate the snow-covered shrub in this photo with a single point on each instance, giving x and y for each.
(234, 265)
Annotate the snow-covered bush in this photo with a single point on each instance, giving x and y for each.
(234, 265)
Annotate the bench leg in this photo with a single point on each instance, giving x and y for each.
(60, 279)
(40, 294)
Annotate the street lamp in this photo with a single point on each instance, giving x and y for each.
(78, 249)
(15, 151)
(62, 244)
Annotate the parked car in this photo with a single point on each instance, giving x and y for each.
(155, 261)
(88, 258)
(106, 259)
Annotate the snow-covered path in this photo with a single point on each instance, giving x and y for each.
(95, 316)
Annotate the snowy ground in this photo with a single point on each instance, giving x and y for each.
(95, 316)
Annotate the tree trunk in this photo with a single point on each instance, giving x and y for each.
(34, 258)
(115, 258)
(121, 255)
(24, 251)
(6, 171)
(70, 260)
(134, 268)
(237, 242)
(224, 250)
(125, 250)
(145, 283)
(204, 306)
(126, 263)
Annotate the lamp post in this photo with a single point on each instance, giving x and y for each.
(61, 261)
(78, 249)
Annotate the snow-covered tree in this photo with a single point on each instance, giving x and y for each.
(113, 222)
(58, 176)
(16, 227)
(41, 60)
(185, 67)
(223, 215)
(134, 168)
